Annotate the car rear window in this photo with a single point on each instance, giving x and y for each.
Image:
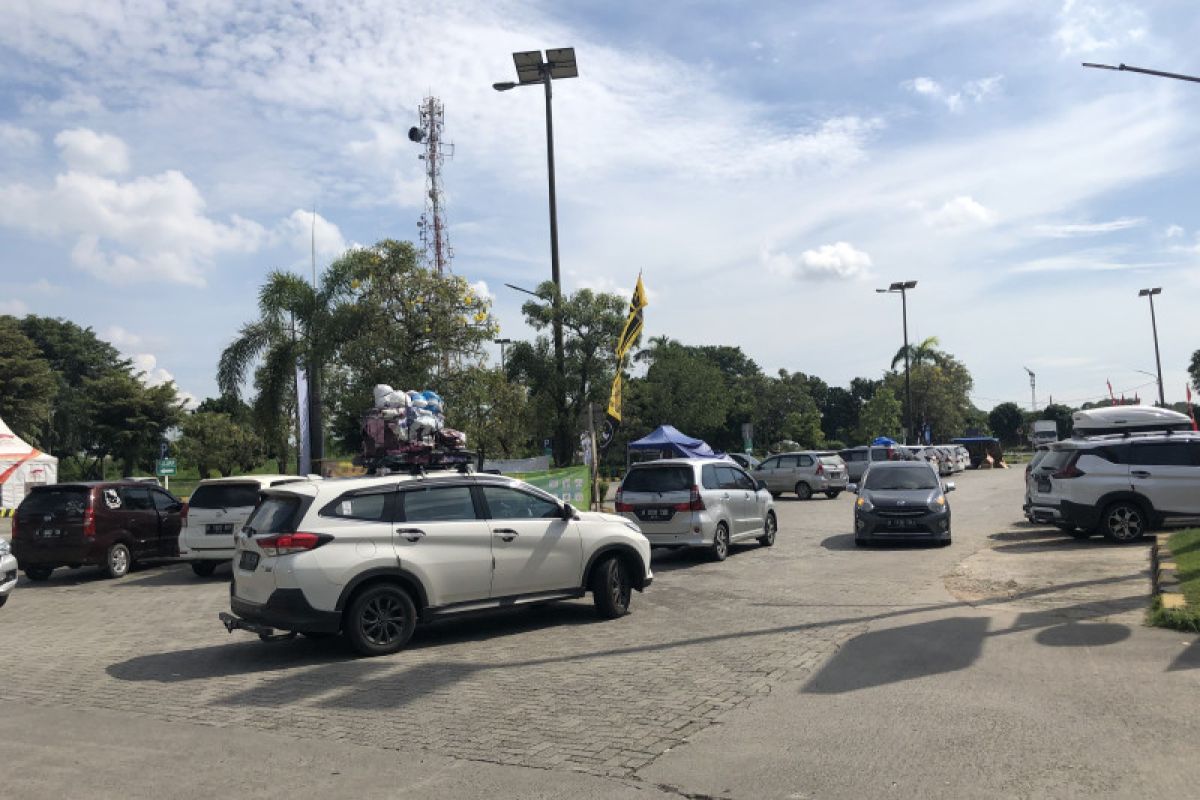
(276, 514)
(832, 461)
(225, 495)
(674, 478)
(71, 502)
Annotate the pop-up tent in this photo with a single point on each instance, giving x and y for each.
(21, 468)
(670, 443)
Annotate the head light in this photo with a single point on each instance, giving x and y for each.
(5, 547)
(938, 503)
(863, 504)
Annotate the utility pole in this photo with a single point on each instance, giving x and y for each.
(1032, 389)
(1149, 294)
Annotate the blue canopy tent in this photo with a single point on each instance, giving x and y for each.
(670, 443)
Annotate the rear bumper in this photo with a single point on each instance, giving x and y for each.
(285, 609)
(8, 575)
(38, 555)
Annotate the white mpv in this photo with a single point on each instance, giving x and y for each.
(217, 510)
(369, 557)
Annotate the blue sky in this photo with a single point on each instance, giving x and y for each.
(766, 165)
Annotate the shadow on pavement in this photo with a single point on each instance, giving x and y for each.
(1188, 659)
(174, 575)
(1061, 542)
(1082, 634)
(668, 559)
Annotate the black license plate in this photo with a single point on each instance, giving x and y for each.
(218, 528)
(1043, 485)
(248, 561)
(901, 524)
(655, 514)
(49, 533)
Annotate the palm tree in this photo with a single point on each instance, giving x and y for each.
(299, 325)
(923, 352)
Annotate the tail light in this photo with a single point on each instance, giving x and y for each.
(183, 512)
(621, 504)
(282, 544)
(89, 523)
(695, 501)
(820, 469)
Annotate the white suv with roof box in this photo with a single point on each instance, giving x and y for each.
(697, 502)
(215, 511)
(369, 557)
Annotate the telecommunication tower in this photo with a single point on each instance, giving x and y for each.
(434, 236)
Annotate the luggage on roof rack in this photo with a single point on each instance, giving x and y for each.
(1128, 419)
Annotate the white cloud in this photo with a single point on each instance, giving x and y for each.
(480, 288)
(975, 91)
(1091, 26)
(16, 138)
(122, 339)
(148, 371)
(13, 307)
(1068, 230)
(97, 153)
(840, 261)
(302, 230)
(1173, 231)
(961, 212)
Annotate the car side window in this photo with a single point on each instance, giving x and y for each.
(746, 482)
(787, 462)
(708, 477)
(770, 463)
(135, 498)
(1162, 454)
(727, 476)
(805, 461)
(162, 501)
(506, 503)
(438, 504)
(371, 507)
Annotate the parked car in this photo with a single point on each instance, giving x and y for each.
(857, 459)
(804, 473)
(901, 500)
(369, 557)
(697, 502)
(1120, 485)
(1031, 472)
(744, 460)
(8, 571)
(109, 524)
(215, 511)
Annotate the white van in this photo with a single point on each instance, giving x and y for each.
(215, 512)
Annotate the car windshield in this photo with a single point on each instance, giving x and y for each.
(224, 495)
(901, 478)
(666, 478)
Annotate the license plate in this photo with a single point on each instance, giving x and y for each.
(835, 474)
(50, 533)
(655, 514)
(1043, 485)
(902, 524)
(248, 561)
(218, 528)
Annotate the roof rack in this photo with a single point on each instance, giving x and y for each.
(420, 463)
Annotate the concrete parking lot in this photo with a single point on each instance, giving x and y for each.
(1012, 663)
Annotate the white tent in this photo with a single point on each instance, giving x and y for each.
(21, 468)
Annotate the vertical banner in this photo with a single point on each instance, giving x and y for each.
(304, 444)
(629, 335)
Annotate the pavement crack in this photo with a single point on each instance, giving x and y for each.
(675, 790)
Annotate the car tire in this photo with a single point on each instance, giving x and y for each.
(38, 574)
(770, 528)
(611, 588)
(1123, 522)
(861, 542)
(380, 620)
(832, 495)
(3, 600)
(803, 491)
(204, 569)
(720, 546)
(118, 561)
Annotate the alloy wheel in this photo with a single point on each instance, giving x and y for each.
(382, 620)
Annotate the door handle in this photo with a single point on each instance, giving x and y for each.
(1139, 473)
(725, 496)
(507, 534)
(412, 534)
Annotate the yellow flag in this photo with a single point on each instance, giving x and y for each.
(633, 325)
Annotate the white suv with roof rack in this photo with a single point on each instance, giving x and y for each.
(369, 557)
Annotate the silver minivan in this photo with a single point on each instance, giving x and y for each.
(805, 473)
(697, 502)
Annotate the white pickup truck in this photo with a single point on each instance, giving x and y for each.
(1044, 432)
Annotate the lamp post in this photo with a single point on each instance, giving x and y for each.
(1149, 293)
(503, 343)
(532, 70)
(902, 287)
(1158, 73)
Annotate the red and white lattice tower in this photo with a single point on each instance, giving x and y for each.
(432, 224)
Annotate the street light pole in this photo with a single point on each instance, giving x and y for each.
(1149, 293)
(503, 343)
(902, 288)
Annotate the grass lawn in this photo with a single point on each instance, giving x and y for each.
(1185, 551)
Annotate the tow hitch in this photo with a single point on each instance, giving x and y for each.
(266, 633)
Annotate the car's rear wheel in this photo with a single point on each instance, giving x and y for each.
(833, 493)
(803, 490)
(1123, 522)
(381, 620)
(720, 545)
(118, 561)
(204, 569)
(770, 528)
(611, 588)
(38, 573)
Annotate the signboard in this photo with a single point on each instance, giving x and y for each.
(748, 437)
(570, 484)
(166, 466)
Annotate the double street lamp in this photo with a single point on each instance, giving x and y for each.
(901, 288)
(1149, 293)
(531, 71)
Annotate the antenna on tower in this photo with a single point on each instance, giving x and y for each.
(432, 223)
(1032, 388)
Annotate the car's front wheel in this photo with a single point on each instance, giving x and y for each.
(611, 588)
(1123, 522)
(833, 493)
(381, 620)
(770, 528)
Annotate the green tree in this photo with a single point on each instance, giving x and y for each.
(1194, 370)
(1062, 416)
(27, 384)
(684, 388)
(591, 323)
(922, 352)
(491, 410)
(1006, 421)
(213, 440)
(786, 411)
(941, 400)
(128, 421)
(880, 416)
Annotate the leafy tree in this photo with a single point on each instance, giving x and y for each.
(880, 416)
(1062, 417)
(1194, 370)
(787, 411)
(922, 352)
(491, 410)
(1006, 421)
(128, 421)
(212, 439)
(27, 384)
(941, 386)
(237, 410)
(684, 388)
(592, 322)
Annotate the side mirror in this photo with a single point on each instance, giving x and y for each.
(948, 487)
(568, 512)
(852, 488)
